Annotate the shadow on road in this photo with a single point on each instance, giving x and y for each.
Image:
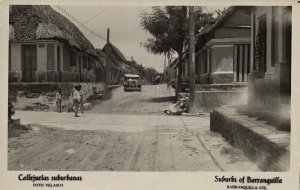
(171, 99)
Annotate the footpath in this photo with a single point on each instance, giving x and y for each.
(114, 122)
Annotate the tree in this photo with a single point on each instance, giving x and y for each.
(151, 74)
(168, 27)
(219, 12)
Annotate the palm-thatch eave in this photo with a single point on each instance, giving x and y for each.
(37, 22)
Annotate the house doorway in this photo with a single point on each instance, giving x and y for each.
(29, 53)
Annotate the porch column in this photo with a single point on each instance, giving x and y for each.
(55, 57)
(42, 65)
(240, 62)
(55, 62)
(235, 62)
(16, 57)
(246, 63)
(61, 58)
(208, 60)
(252, 40)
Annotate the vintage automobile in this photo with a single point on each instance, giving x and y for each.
(132, 82)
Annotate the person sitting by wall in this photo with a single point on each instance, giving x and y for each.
(180, 107)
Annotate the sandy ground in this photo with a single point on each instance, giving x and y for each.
(125, 133)
(152, 100)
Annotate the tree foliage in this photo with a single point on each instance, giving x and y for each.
(168, 27)
(151, 74)
(147, 73)
(220, 11)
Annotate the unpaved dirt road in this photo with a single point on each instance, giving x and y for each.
(106, 139)
(152, 100)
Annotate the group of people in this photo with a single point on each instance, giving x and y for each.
(77, 100)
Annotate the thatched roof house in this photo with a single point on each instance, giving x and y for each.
(114, 52)
(45, 46)
(46, 23)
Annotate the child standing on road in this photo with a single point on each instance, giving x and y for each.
(76, 100)
(58, 96)
(81, 99)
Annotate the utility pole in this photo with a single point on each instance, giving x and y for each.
(191, 59)
(165, 63)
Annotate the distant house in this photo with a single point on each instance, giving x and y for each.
(269, 84)
(118, 65)
(132, 66)
(223, 48)
(101, 66)
(44, 46)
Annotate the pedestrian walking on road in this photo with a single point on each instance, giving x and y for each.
(58, 97)
(168, 83)
(76, 100)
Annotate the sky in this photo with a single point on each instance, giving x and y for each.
(125, 30)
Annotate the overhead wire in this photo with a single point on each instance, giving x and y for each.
(100, 13)
(81, 24)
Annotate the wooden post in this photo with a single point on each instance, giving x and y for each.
(191, 59)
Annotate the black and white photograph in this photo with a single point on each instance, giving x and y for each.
(150, 88)
(130, 105)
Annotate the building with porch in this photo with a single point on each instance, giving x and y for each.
(223, 48)
(262, 127)
(222, 60)
(44, 46)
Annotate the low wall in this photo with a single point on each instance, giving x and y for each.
(69, 76)
(259, 142)
(208, 97)
(42, 95)
(15, 76)
(219, 77)
(203, 79)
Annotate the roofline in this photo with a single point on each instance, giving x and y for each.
(116, 49)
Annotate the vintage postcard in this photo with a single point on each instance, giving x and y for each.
(150, 95)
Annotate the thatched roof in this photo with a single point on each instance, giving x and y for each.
(36, 22)
(113, 51)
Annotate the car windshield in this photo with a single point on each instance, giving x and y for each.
(132, 77)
